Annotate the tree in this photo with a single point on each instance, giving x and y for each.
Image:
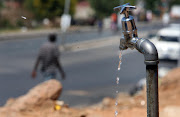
(174, 2)
(105, 7)
(152, 5)
(48, 8)
(155, 5)
(1, 4)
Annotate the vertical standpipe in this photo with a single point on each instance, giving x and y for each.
(152, 90)
(150, 53)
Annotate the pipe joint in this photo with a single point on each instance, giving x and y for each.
(149, 51)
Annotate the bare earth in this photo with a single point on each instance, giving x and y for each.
(43, 105)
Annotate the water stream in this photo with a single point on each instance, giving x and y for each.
(117, 82)
(120, 60)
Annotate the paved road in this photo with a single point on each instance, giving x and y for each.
(76, 37)
(79, 35)
(86, 70)
(93, 71)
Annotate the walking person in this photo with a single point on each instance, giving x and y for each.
(114, 22)
(48, 57)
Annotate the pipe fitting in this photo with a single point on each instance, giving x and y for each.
(128, 41)
(149, 51)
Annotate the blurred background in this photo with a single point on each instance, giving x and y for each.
(88, 38)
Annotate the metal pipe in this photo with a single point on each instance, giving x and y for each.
(152, 90)
(150, 53)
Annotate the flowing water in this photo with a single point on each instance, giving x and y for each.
(117, 82)
(120, 60)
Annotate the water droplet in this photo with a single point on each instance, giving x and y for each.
(116, 103)
(119, 68)
(143, 102)
(117, 91)
(116, 113)
(23, 17)
(117, 80)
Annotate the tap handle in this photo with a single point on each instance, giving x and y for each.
(124, 9)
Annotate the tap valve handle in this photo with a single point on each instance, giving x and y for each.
(124, 9)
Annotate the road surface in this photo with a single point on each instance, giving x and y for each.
(91, 73)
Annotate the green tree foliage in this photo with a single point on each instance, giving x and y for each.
(48, 8)
(1, 4)
(155, 4)
(21, 1)
(152, 5)
(132, 2)
(105, 7)
(174, 2)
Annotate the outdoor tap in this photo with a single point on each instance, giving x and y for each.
(130, 36)
(131, 40)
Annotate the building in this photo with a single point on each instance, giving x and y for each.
(84, 14)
